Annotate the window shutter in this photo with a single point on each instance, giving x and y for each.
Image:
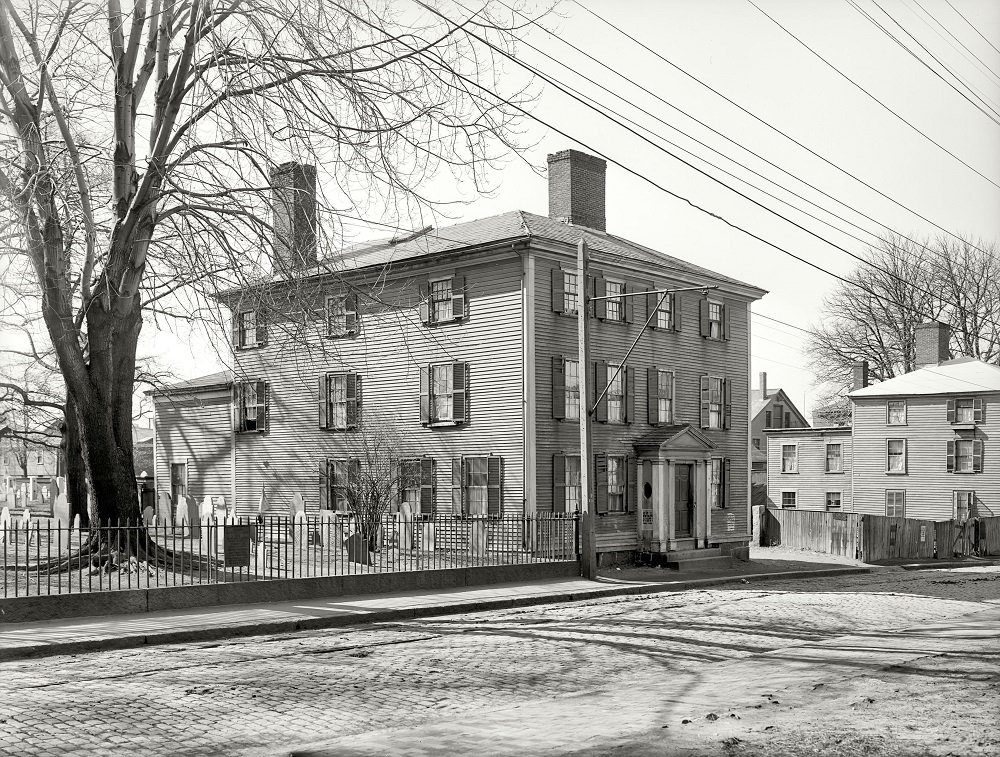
(704, 325)
(324, 485)
(727, 399)
(457, 488)
(460, 398)
(676, 306)
(428, 480)
(951, 411)
(601, 482)
(600, 382)
(629, 302)
(906, 456)
(558, 387)
(494, 486)
(425, 394)
(261, 329)
(977, 410)
(977, 455)
(459, 303)
(559, 483)
(726, 479)
(631, 482)
(425, 305)
(951, 456)
(263, 406)
(351, 313)
(558, 290)
(353, 382)
(237, 406)
(324, 395)
(653, 395)
(235, 326)
(725, 320)
(705, 396)
(629, 394)
(600, 290)
(652, 300)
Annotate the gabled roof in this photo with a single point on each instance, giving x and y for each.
(665, 436)
(217, 380)
(511, 227)
(758, 403)
(964, 375)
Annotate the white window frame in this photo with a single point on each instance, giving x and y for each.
(896, 494)
(433, 302)
(971, 408)
(716, 402)
(571, 390)
(615, 396)
(795, 496)
(888, 413)
(970, 496)
(795, 464)
(438, 396)
(247, 329)
(888, 457)
(571, 292)
(971, 443)
(665, 405)
(664, 312)
(615, 304)
(840, 501)
(336, 406)
(617, 491)
(715, 324)
(717, 482)
(574, 492)
(841, 446)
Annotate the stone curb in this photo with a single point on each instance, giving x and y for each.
(950, 564)
(410, 613)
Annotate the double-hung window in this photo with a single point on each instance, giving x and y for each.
(789, 499)
(895, 456)
(616, 302)
(343, 481)
(441, 300)
(249, 330)
(340, 401)
(664, 396)
(895, 412)
(572, 390)
(566, 492)
(571, 292)
(444, 300)
(895, 503)
(716, 408)
(834, 458)
(341, 315)
(833, 501)
(965, 503)
(616, 484)
(713, 317)
(251, 400)
(417, 485)
(444, 393)
(789, 458)
(965, 411)
(965, 455)
(616, 394)
(477, 485)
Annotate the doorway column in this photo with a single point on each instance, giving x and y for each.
(669, 475)
(700, 502)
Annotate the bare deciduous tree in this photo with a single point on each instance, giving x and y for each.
(137, 142)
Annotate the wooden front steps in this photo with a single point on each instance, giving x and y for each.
(685, 560)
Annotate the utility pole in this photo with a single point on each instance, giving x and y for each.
(589, 522)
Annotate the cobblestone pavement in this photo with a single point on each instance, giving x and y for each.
(269, 695)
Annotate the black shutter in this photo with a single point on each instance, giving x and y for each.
(459, 302)
(631, 482)
(261, 329)
(324, 485)
(653, 395)
(324, 393)
(629, 302)
(601, 483)
(629, 393)
(460, 396)
(236, 330)
(725, 320)
(457, 487)
(238, 417)
(725, 483)
(425, 306)
(978, 410)
(353, 389)
(676, 307)
(351, 313)
(428, 479)
(600, 383)
(559, 483)
(727, 404)
(600, 290)
(951, 411)
(494, 486)
(425, 394)
(977, 455)
(705, 400)
(704, 324)
(558, 290)
(263, 406)
(951, 456)
(558, 387)
(652, 300)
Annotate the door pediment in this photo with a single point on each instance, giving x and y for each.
(673, 440)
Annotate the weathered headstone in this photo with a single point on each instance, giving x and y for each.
(300, 539)
(163, 506)
(427, 536)
(148, 516)
(10, 499)
(357, 549)
(60, 509)
(207, 509)
(405, 526)
(298, 505)
(76, 522)
(26, 527)
(180, 514)
(60, 484)
(193, 512)
(5, 525)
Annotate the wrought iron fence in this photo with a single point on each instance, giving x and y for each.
(43, 556)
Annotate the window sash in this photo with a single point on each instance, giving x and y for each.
(248, 407)
(248, 328)
(571, 292)
(616, 484)
(337, 401)
(789, 458)
(441, 307)
(895, 456)
(616, 394)
(834, 458)
(896, 413)
(442, 392)
(964, 411)
(571, 389)
(615, 305)
(964, 450)
(664, 398)
(573, 484)
(663, 313)
(788, 499)
(834, 500)
(715, 320)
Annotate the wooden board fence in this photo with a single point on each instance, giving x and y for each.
(885, 538)
(990, 535)
(832, 533)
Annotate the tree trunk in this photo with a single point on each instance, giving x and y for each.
(76, 470)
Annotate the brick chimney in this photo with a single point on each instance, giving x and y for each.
(763, 385)
(860, 369)
(293, 189)
(576, 188)
(931, 343)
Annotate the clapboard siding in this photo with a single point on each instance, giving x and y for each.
(811, 482)
(928, 485)
(685, 352)
(388, 353)
(197, 430)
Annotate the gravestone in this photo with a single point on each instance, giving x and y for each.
(10, 499)
(76, 522)
(180, 515)
(60, 482)
(25, 526)
(405, 526)
(5, 525)
(357, 549)
(207, 509)
(163, 507)
(193, 512)
(297, 506)
(60, 509)
(148, 516)
(300, 538)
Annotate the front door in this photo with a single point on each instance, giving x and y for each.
(683, 506)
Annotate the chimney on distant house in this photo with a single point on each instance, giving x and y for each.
(860, 369)
(931, 343)
(293, 188)
(576, 188)
(763, 385)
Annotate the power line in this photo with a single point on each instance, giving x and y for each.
(972, 26)
(983, 68)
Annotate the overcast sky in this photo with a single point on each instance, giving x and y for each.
(733, 47)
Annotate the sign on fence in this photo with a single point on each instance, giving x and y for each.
(236, 542)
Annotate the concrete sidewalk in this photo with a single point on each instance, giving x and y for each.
(76, 635)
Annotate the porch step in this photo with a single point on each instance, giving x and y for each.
(687, 554)
(685, 560)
